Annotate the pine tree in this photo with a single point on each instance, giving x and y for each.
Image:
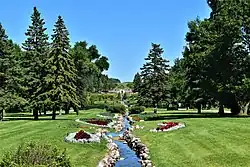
(154, 76)
(36, 46)
(137, 82)
(10, 76)
(60, 76)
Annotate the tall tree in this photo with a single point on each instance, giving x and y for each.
(36, 47)
(137, 82)
(177, 83)
(154, 76)
(217, 54)
(60, 78)
(10, 75)
(90, 65)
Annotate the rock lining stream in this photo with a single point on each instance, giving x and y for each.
(128, 156)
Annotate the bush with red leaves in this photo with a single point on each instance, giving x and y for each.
(82, 135)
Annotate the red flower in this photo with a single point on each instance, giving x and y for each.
(82, 135)
(168, 125)
(98, 122)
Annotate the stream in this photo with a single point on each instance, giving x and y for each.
(128, 156)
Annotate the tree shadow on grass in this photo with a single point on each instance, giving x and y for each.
(32, 119)
(29, 117)
(191, 115)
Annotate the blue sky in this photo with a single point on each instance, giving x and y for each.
(122, 30)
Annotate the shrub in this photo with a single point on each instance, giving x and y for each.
(136, 109)
(96, 106)
(116, 108)
(107, 114)
(34, 154)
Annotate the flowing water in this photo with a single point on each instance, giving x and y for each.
(128, 156)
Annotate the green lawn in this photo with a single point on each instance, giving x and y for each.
(206, 141)
(14, 132)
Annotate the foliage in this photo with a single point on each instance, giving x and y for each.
(132, 99)
(116, 108)
(11, 75)
(60, 78)
(95, 106)
(36, 49)
(36, 154)
(136, 82)
(136, 109)
(216, 44)
(153, 87)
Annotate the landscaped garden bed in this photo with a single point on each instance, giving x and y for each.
(96, 122)
(168, 126)
(83, 137)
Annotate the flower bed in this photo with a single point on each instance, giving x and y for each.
(168, 126)
(97, 122)
(82, 137)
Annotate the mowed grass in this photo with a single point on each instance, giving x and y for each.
(206, 142)
(14, 132)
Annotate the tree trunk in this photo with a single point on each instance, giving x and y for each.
(199, 107)
(235, 108)
(67, 110)
(1, 115)
(221, 109)
(44, 112)
(35, 114)
(155, 109)
(53, 114)
(76, 110)
(244, 109)
(247, 108)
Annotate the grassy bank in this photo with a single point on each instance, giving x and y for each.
(21, 129)
(206, 141)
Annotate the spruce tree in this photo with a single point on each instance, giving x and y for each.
(10, 76)
(136, 82)
(36, 47)
(60, 79)
(154, 72)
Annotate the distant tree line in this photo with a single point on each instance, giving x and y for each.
(43, 76)
(215, 68)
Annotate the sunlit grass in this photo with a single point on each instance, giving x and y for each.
(206, 142)
(14, 132)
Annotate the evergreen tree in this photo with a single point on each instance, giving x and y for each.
(10, 76)
(60, 79)
(36, 46)
(154, 76)
(136, 82)
(177, 84)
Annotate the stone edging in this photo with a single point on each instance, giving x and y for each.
(112, 156)
(135, 144)
(140, 149)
